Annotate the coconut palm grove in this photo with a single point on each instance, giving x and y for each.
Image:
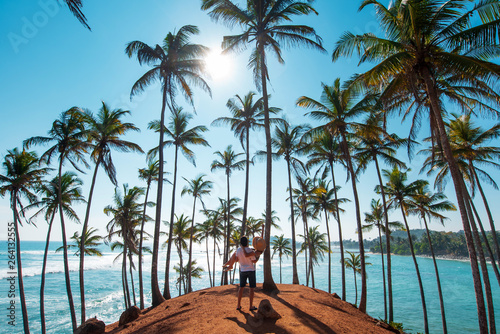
(158, 133)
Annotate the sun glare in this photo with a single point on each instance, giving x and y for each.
(219, 66)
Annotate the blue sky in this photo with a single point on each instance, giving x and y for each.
(50, 63)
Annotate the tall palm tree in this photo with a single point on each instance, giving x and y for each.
(180, 137)
(127, 216)
(228, 162)
(338, 107)
(427, 39)
(197, 188)
(70, 137)
(281, 245)
(104, 131)
(286, 143)
(262, 22)
(400, 197)
(316, 241)
(373, 143)
(21, 176)
(147, 174)
(177, 66)
(324, 149)
(49, 203)
(246, 115)
(375, 218)
(429, 205)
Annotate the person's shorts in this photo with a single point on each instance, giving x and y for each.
(251, 278)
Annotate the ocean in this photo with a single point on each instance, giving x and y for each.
(104, 297)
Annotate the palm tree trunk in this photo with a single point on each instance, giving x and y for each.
(306, 235)
(383, 273)
(440, 292)
(20, 283)
(422, 295)
(189, 288)
(156, 295)
(490, 217)
(166, 288)
(131, 278)
(341, 242)
(65, 253)
(208, 262)
(124, 269)
(484, 267)
(42, 284)
(280, 271)
(362, 300)
(268, 284)
(247, 183)
(82, 243)
(295, 276)
(486, 243)
(141, 287)
(123, 287)
(388, 242)
(457, 181)
(228, 228)
(213, 265)
(329, 254)
(355, 286)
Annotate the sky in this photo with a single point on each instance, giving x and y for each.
(51, 63)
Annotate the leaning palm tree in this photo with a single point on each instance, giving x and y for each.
(400, 197)
(338, 107)
(426, 204)
(70, 137)
(147, 174)
(427, 39)
(282, 247)
(180, 137)
(104, 131)
(49, 203)
(228, 162)
(286, 143)
(22, 174)
(375, 218)
(197, 188)
(262, 22)
(324, 150)
(176, 65)
(373, 143)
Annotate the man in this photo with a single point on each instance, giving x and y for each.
(247, 259)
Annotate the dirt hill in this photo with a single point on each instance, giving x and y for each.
(302, 310)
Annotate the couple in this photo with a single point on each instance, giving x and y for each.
(247, 259)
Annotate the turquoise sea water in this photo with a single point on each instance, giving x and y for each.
(105, 300)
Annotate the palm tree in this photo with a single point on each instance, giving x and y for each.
(425, 205)
(203, 234)
(228, 162)
(176, 65)
(317, 244)
(354, 262)
(324, 149)
(374, 143)
(197, 188)
(282, 246)
(148, 174)
(400, 197)
(214, 221)
(338, 107)
(427, 40)
(104, 131)
(286, 142)
(180, 137)
(375, 218)
(193, 271)
(90, 243)
(181, 233)
(262, 23)
(71, 143)
(246, 115)
(127, 215)
(49, 202)
(22, 174)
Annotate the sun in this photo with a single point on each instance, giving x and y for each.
(218, 65)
